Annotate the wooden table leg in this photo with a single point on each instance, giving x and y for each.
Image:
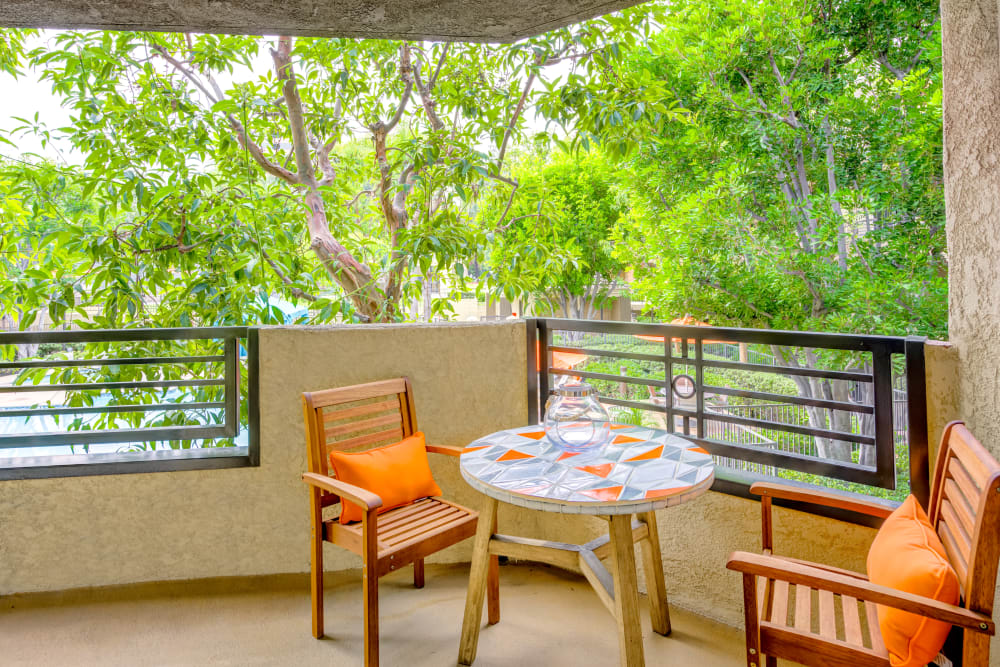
(626, 592)
(656, 588)
(477, 583)
(493, 585)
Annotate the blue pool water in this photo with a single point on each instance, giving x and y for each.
(48, 424)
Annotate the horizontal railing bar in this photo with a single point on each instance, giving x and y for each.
(845, 470)
(83, 386)
(152, 407)
(161, 460)
(790, 460)
(115, 435)
(895, 344)
(652, 407)
(610, 378)
(790, 370)
(786, 399)
(114, 335)
(127, 361)
(787, 428)
(608, 353)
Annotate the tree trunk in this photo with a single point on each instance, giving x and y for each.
(821, 418)
(831, 182)
(353, 277)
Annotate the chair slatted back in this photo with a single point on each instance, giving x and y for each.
(356, 418)
(965, 511)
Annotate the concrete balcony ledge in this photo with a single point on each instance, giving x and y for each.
(548, 617)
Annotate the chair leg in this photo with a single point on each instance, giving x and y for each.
(369, 576)
(418, 573)
(975, 648)
(371, 615)
(752, 623)
(316, 574)
(771, 661)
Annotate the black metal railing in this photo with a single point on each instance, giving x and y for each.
(668, 367)
(142, 377)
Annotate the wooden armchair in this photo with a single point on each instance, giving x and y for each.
(965, 512)
(357, 418)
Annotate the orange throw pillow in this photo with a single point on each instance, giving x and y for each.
(398, 474)
(908, 555)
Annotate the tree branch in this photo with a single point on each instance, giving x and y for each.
(184, 71)
(323, 153)
(510, 202)
(425, 92)
(282, 57)
(899, 73)
(793, 119)
(437, 71)
(295, 291)
(241, 134)
(405, 73)
(517, 113)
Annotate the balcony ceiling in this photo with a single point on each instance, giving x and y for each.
(449, 20)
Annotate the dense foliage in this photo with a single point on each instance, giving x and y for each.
(341, 173)
(774, 165)
(557, 245)
(803, 188)
(782, 163)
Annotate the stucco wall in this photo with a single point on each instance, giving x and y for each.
(943, 374)
(91, 531)
(972, 198)
(468, 379)
(972, 204)
(696, 539)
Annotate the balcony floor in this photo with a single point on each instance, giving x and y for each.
(549, 617)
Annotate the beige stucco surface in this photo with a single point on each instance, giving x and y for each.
(468, 381)
(943, 382)
(972, 203)
(696, 539)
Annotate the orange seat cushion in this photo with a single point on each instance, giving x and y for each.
(908, 555)
(398, 474)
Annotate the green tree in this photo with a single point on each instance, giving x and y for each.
(567, 214)
(801, 188)
(344, 175)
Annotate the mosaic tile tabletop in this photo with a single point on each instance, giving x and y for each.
(640, 470)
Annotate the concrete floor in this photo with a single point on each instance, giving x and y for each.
(549, 617)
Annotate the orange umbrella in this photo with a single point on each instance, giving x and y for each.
(567, 360)
(560, 360)
(687, 320)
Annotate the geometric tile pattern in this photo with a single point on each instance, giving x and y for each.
(639, 470)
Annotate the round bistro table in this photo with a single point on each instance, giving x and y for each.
(638, 472)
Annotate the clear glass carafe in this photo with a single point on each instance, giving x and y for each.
(574, 419)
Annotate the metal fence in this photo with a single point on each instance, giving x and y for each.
(141, 378)
(790, 408)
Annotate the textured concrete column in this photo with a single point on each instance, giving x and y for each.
(972, 202)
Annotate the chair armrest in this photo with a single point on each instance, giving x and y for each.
(817, 497)
(355, 494)
(805, 575)
(445, 449)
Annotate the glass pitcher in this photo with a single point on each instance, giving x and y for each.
(574, 419)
